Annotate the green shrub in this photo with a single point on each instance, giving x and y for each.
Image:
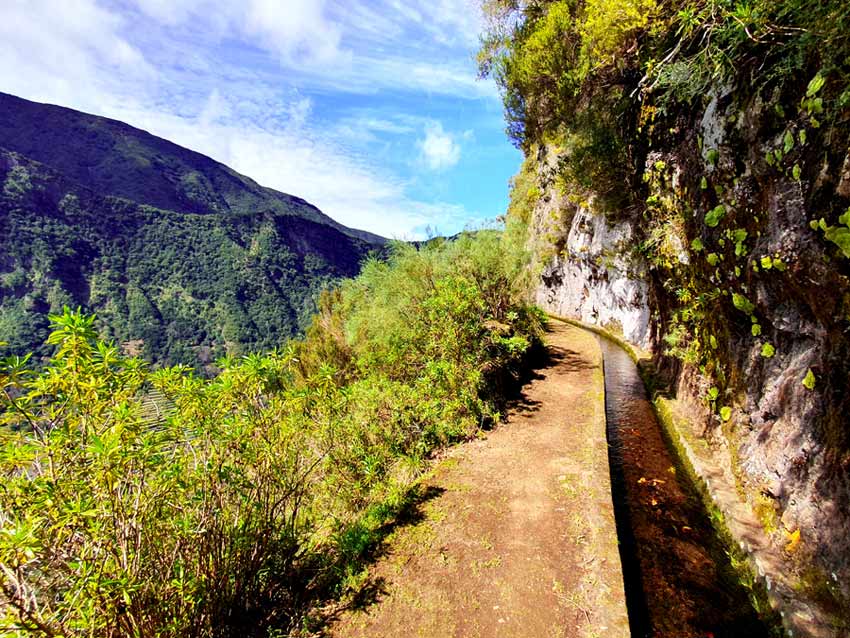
(141, 503)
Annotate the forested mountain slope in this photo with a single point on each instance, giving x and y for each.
(182, 258)
(687, 184)
(264, 492)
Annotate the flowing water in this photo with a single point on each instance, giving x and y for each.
(679, 582)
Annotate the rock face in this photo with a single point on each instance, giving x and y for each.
(597, 281)
(729, 276)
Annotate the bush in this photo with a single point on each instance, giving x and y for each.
(141, 503)
(115, 522)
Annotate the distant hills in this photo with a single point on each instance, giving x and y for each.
(182, 258)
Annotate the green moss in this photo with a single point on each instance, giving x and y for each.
(816, 584)
(765, 510)
(739, 561)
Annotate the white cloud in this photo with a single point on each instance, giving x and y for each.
(453, 22)
(87, 56)
(54, 50)
(169, 12)
(299, 161)
(438, 150)
(297, 30)
(298, 112)
(216, 108)
(354, 46)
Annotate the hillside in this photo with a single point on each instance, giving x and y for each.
(182, 258)
(263, 493)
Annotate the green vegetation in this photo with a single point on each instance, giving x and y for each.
(606, 83)
(182, 259)
(553, 57)
(715, 215)
(184, 288)
(237, 502)
(838, 235)
(809, 380)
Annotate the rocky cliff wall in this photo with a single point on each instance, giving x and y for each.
(596, 280)
(734, 273)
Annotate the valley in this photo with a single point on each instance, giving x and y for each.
(182, 259)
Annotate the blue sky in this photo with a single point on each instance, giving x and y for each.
(370, 109)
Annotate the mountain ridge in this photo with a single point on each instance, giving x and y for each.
(177, 254)
(83, 158)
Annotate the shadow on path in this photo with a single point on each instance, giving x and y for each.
(362, 546)
(539, 364)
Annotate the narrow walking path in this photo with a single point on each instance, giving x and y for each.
(517, 537)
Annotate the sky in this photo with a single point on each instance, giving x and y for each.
(369, 109)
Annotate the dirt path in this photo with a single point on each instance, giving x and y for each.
(517, 535)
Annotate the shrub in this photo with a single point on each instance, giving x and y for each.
(139, 503)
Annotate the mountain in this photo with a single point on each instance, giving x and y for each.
(182, 258)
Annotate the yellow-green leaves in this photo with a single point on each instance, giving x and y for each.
(811, 103)
(739, 236)
(742, 303)
(715, 215)
(788, 142)
(608, 23)
(809, 380)
(838, 235)
(815, 85)
(539, 54)
(793, 541)
(725, 413)
(767, 350)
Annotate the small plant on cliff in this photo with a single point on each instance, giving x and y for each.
(809, 380)
(838, 235)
